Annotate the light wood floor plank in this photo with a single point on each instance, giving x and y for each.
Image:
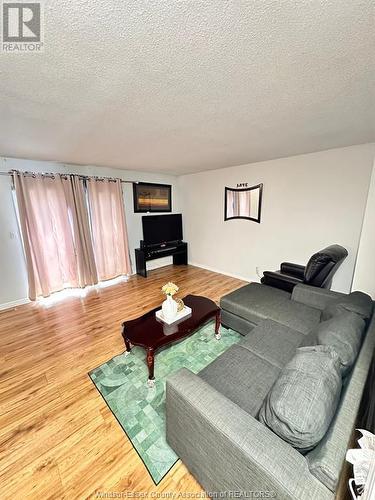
(58, 439)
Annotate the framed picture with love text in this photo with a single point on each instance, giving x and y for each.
(243, 203)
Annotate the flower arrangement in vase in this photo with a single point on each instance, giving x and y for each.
(169, 306)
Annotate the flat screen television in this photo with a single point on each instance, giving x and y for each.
(159, 229)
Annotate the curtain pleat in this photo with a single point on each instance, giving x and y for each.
(109, 231)
(86, 267)
(47, 234)
(62, 249)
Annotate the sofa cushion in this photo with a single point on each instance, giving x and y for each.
(310, 339)
(246, 301)
(301, 404)
(344, 334)
(273, 342)
(236, 323)
(242, 377)
(357, 302)
(326, 459)
(256, 302)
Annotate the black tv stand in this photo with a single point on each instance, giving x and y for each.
(177, 249)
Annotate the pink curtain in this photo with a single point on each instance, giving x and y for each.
(56, 233)
(76, 198)
(108, 224)
(47, 233)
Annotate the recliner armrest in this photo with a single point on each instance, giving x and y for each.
(293, 269)
(278, 280)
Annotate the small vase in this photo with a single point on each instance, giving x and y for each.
(169, 308)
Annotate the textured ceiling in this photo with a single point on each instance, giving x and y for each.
(184, 86)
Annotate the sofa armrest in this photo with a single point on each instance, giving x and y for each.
(293, 269)
(313, 296)
(278, 280)
(228, 450)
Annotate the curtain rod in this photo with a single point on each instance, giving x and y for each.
(51, 174)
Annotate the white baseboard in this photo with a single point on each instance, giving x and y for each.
(13, 304)
(220, 271)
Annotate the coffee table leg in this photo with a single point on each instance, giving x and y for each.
(128, 347)
(150, 363)
(127, 343)
(217, 326)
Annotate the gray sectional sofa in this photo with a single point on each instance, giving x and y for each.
(272, 416)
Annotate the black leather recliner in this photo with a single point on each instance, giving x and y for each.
(318, 272)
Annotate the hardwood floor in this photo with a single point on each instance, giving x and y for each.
(58, 439)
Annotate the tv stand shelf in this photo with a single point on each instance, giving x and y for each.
(177, 250)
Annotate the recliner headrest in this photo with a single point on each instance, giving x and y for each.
(330, 254)
(335, 252)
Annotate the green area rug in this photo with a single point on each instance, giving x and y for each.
(140, 410)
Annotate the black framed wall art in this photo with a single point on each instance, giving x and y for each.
(149, 197)
(243, 203)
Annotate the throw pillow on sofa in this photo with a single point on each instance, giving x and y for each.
(357, 302)
(343, 333)
(301, 403)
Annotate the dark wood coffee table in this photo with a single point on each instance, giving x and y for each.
(152, 333)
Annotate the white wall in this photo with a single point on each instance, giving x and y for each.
(364, 276)
(309, 201)
(13, 277)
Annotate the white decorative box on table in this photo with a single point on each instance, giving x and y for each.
(186, 311)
